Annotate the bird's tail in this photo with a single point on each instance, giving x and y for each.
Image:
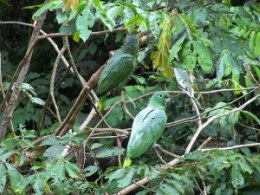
(127, 162)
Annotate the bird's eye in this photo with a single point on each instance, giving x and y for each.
(161, 96)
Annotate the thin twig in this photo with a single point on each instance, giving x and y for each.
(249, 127)
(194, 118)
(53, 76)
(63, 34)
(211, 119)
(125, 107)
(205, 143)
(91, 34)
(232, 147)
(88, 119)
(159, 156)
(93, 130)
(168, 152)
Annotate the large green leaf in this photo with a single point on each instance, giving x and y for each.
(84, 22)
(14, 176)
(176, 48)
(108, 152)
(237, 177)
(204, 57)
(2, 177)
(54, 151)
(72, 170)
(90, 170)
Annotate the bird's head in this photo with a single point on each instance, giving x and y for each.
(131, 44)
(159, 99)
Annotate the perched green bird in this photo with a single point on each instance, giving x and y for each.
(148, 126)
(119, 67)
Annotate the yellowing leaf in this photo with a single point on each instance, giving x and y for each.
(76, 36)
(160, 57)
(71, 4)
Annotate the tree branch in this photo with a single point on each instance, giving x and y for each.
(24, 66)
(211, 119)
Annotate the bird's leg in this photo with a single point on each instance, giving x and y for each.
(119, 144)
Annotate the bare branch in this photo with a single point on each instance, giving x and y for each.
(24, 66)
(53, 76)
(72, 115)
(159, 156)
(205, 143)
(231, 147)
(125, 107)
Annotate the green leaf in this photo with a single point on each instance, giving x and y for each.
(50, 141)
(2, 177)
(193, 155)
(43, 9)
(95, 145)
(53, 151)
(14, 176)
(90, 170)
(237, 177)
(177, 185)
(245, 167)
(248, 80)
(36, 100)
(176, 48)
(56, 170)
(61, 17)
(204, 57)
(190, 62)
(115, 175)
(4, 154)
(231, 65)
(127, 179)
(68, 28)
(221, 67)
(183, 80)
(38, 184)
(105, 18)
(85, 21)
(72, 170)
(257, 45)
(169, 189)
(108, 152)
(48, 6)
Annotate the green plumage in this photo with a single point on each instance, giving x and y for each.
(119, 67)
(148, 126)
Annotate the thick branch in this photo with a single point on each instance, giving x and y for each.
(73, 113)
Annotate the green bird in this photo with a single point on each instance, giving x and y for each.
(119, 67)
(148, 126)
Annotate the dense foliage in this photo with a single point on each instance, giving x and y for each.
(206, 54)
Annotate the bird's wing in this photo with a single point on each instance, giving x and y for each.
(117, 70)
(148, 126)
